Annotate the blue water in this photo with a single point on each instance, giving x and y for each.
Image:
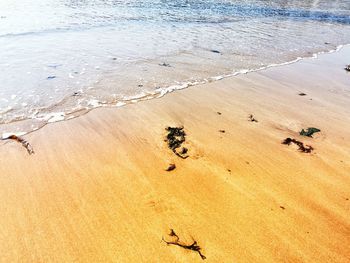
(60, 58)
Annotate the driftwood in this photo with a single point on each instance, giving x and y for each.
(175, 138)
(302, 147)
(194, 246)
(22, 141)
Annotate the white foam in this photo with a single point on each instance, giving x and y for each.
(120, 103)
(94, 103)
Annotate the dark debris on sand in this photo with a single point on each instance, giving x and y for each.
(302, 148)
(347, 68)
(252, 119)
(22, 141)
(171, 167)
(175, 138)
(194, 246)
(302, 94)
(309, 131)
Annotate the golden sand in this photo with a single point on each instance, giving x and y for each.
(96, 189)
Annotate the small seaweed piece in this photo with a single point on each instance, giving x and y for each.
(222, 131)
(219, 113)
(175, 138)
(302, 147)
(309, 131)
(302, 94)
(51, 77)
(215, 51)
(171, 167)
(252, 119)
(22, 141)
(165, 65)
(194, 246)
(347, 68)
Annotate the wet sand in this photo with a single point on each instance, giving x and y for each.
(96, 189)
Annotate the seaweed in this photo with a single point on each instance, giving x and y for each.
(219, 113)
(309, 131)
(194, 246)
(347, 68)
(22, 141)
(171, 167)
(302, 94)
(222, 131)
(302, 147)
(252, 119)
(215, 51)
(175, 138)
(165, 65)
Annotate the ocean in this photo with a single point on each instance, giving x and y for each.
(61, 58)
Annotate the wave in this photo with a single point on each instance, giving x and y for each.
(158, 93)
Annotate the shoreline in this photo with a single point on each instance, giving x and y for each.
(97, 188)
(54, 117)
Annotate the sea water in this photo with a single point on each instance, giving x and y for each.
(62, 58)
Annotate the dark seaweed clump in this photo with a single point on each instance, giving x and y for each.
(193, 246)
(347, 68)
(175, 138)
(309, 131)
(303, 148)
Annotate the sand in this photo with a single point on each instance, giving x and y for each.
(96, 189)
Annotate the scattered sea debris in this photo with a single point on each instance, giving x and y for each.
(51, 77)
(171, 167)
(215, 51)
(219, 113)
(22, 141)
(164, 65)
(302, 147)
(309, 131)
(252, 119)
(302, 94)
(194, 246)
(282, 207)
(222, 131)
(114, 58)
(175, 138)
(347, 68)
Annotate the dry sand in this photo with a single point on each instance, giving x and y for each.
(96, 189)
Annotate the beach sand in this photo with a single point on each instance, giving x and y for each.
(96, 189)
